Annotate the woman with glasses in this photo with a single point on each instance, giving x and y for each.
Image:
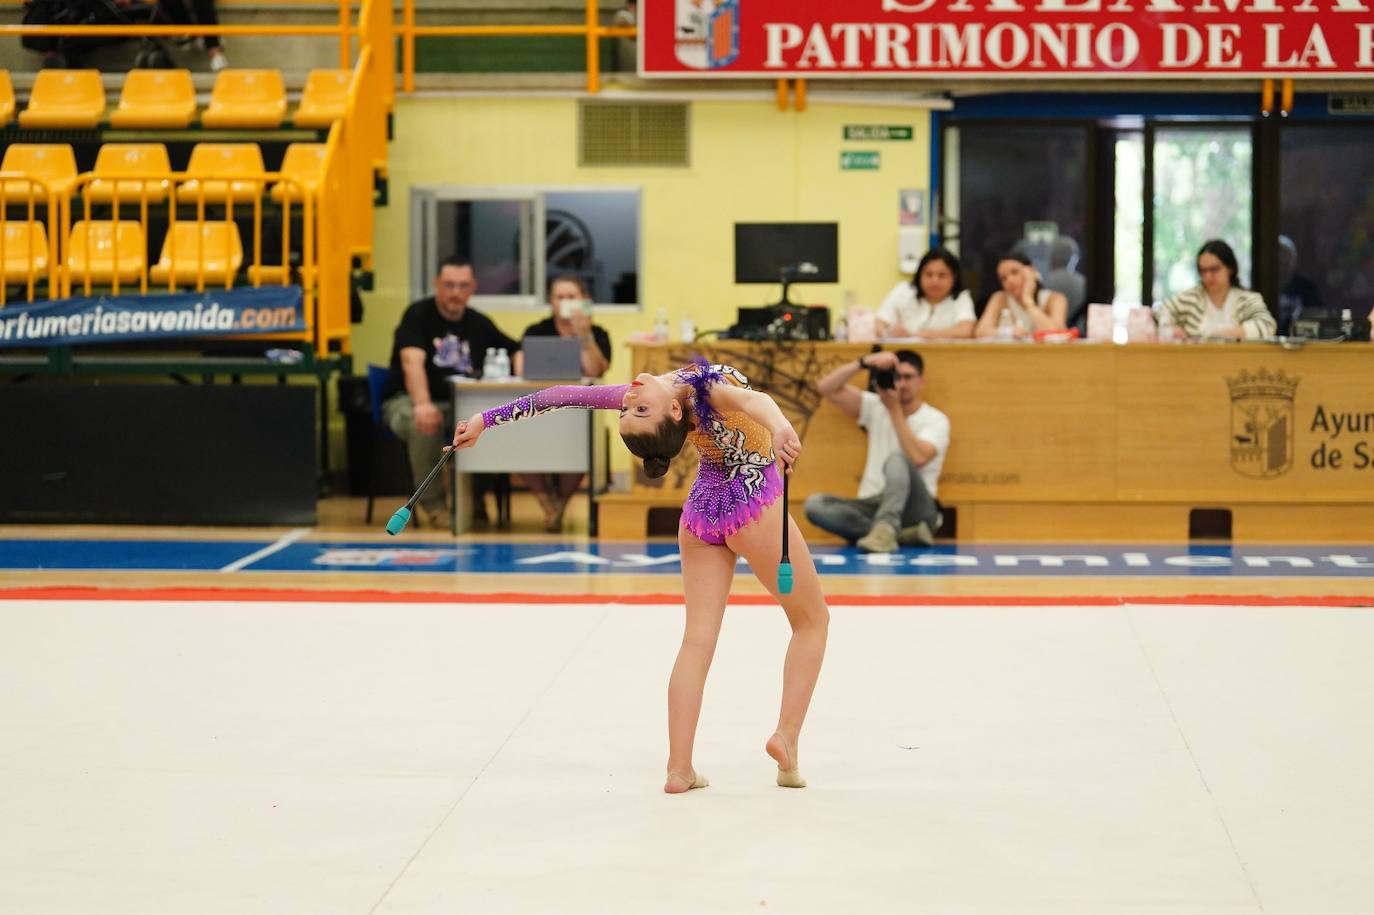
(1218, 307)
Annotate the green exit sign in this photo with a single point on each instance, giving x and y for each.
(859, 161)
(877, 132)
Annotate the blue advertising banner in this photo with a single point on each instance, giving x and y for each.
(116, 318)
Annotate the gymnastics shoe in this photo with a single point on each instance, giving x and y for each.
(782, 755)
(676, 780)
(882, 538)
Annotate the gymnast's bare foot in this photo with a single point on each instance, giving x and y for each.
(785, 756)
(678, 783)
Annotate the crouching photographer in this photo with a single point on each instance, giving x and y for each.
(907, 442)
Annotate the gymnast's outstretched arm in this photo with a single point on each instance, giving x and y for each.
(559, 397)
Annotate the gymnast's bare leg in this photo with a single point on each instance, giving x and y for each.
(707, 572)
(760, 542)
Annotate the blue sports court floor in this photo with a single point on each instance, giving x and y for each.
(297, 553)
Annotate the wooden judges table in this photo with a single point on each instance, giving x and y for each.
(1086, 441)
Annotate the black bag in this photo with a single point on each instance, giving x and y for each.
(42, 12)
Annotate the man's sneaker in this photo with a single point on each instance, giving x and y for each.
(218, 60)
(921, 533)
(882, 538)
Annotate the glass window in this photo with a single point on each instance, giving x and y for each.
(595, 234)
(1203, 185)
(1017, 186)
(516, 239)
(1128, 225)
(494, 236)
(1326, 217)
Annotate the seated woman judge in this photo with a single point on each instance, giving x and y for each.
(1217, 307)
(1022, 308)
(567, 297)
(934, 305)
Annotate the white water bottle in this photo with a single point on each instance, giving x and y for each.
(489, 364)
(689, 330)
(502, 364)
(842, 331)
(661, 326)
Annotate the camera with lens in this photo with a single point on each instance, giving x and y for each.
(883, 379)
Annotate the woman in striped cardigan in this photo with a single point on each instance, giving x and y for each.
(1218, 307)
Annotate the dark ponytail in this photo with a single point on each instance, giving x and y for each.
(656, 467)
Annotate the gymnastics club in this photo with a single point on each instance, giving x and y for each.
(399, 520)
(785, 566)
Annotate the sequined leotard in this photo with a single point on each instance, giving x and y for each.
(737, 477)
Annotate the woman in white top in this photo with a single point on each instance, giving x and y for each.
(1217, 307)
(1022, 306)
(933, 306)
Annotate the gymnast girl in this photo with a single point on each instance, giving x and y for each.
(732, 510)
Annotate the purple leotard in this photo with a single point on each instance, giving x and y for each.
(737, 477)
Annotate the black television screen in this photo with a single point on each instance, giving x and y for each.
(763, 249)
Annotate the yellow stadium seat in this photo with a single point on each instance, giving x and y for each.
(6, 98)
(52, 163)
(305, 163)
(91, 252)
(125, 161)
(204, 251)
(246, 98)
(26, 245)
(65, 98)
(212, 159)
(155, 98)
(323, 99)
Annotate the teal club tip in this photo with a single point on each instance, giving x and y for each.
(785, 578)
(399, 521)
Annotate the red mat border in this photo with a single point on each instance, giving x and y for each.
(322, 595)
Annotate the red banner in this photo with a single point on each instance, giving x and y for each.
(1006, 38)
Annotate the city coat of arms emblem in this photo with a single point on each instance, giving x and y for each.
(1262, 422)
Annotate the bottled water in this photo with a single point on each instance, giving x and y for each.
(502, 364)
(489, 364)
(661, 326)
(842, 331)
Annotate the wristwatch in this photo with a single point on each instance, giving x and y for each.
(862, 364)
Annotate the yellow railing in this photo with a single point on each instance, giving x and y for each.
(343, 31)
(336, 227)
(591, 28)
(21, 260)
(356, 150)
(90, 262)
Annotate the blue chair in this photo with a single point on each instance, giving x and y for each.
(377, 376)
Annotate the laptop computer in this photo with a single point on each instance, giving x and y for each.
(552, 358)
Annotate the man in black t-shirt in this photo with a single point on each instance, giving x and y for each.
(437, 337)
